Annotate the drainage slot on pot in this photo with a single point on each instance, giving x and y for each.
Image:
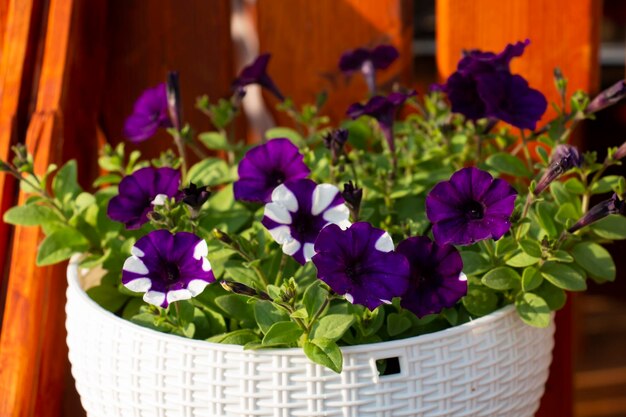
(388, 366)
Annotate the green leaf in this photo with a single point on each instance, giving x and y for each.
(545, 214)
(283, 333)
(522, 260)
(508, 164)
(30, 215)
(112, 179)
(214, 140)
(531, 278)
(612, 227)
(151, 321)
(65, 185)
(314, 297)
(474, 263)
(501, 278)
(285, 132)
(505, 245)
(332, 326)
(266, 315)
(566, 212)
(533, 309)
(480, 301)
(237, 307)
(596, 260)
(563, 276)
(237, 337)
(324, 352)
(132, 307)
(555, 297)
(531, 247)
(397, 323)
(605, 184)
(573, 185)
(209, 172)
(61, 245)
(108, 297)
(561, 256)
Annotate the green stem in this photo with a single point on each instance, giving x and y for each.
(317, 314)
(281, 267)
(180, 145)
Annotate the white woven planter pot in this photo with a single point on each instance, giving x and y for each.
(493, 366)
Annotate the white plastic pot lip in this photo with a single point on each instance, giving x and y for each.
(75, 287)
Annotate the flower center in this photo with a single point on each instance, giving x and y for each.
(275, 178)
(353, 270)
(474, 210)
(172, 272)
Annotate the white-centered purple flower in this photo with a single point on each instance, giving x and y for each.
(299, 210)
(437, 280)
(256, 73)
(564, 158)
(168, 267)
(368, 61)
(150, 112)
(140, 192)
(471, 206)
(360, 264)
(265, 167)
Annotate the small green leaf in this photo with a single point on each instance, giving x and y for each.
(209, 172)
(561, 256)
(285, 132)
(314, 297)
(237, 307)
(283, 332)
(480, 301)
(214, 140)
(237, 337)
(65, 183)
(612, 227)
(555, 297)
(397, 323)
(573, 185)
(61, 245)
(333, 326)
(505, 245)
(563, 276)
(108, 297)
(531, 247)
(152, 322)
(266, 315)
(508, 164)
(30, 215)
(324, 352)
(522, 260)
(545, 215)
(605, 184)
(533, 309)
(531, 278)
(501, 278)
(474, 263)
(596, 260)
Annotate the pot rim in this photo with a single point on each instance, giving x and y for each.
(73, 272)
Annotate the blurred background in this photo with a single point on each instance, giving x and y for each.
(70, 71)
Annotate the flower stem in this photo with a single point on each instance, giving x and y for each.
(281, 267)
(178, 140)
(318, 313)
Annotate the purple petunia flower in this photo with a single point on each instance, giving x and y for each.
(140, 191)
(563, 159)
(299, 210)
(383, 109)
(483, 86)
(149, 113)
(368, 61)
(437, 280)
(256, 73)
(471, 206)
(360, 264)
(168, 267)
(265, 167)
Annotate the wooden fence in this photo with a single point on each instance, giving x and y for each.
(70, 70)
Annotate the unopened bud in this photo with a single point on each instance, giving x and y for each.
(173, 99)
(608, 97)
(563, 159)
(601, 210)
(221, 236)
(242, 289)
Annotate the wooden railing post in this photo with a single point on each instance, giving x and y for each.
(562, 33)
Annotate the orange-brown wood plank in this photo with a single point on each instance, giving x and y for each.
(563, 33)
(20, 25)
(306, 39)
(33, 354)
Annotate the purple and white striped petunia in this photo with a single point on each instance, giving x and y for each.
(437, 280)
(471, 206)
(299, 210)
(265, 167)
(140, 191)
(150, 112)
(360, 264)
(168, 267)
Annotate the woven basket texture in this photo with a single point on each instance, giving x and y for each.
(493, 366)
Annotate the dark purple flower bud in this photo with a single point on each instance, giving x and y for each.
(483, 86)
(471, 206)
(256, 73)
(149, 113)
(238, 288)
(140, 192)
(360, 264)
(168, 267)
(298, 211)
(195, 196)
(335, 140)
(383, 109)
(173, 99)
(608, 97)
(621, 152)
(265, 167)
(436, 280)
(368, 61)
(352, 196)
(564, 158)
(601, 210)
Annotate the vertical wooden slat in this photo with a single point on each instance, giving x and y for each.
(306, 39)
(563, 33)
(32, 345)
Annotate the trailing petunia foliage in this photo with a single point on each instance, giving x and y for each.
(414, 214)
